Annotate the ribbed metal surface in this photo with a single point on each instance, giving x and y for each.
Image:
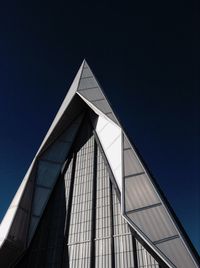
(145, 209)
(89, 82)
(144, 258)
(103, 238)
(139, 192)
(155, 222)
(132, 165)
(86, 71)
(79, 241)
(181, 258)
(91, 94)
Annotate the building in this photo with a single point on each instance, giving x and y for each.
(88, 200)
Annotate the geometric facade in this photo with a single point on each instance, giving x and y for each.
(88, 200)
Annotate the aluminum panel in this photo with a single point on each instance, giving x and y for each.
(91, 94)
(126, 143)
(103, 106)
(47, 173)
(86, 71)
(109, 135)
(103, 253)
(144, 258)
(177, 253)
(123, 251)
(139, 192)
(89, 82)
(154, 223)
(79, 255)
(131, 163)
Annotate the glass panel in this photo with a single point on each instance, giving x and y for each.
(47, 173)
(40, 199)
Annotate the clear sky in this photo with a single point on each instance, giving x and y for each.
(145, 55)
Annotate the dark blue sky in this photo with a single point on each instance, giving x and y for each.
(146, 57)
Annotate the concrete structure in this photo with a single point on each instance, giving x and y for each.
(87, 199)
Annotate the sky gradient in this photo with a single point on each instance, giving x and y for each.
(146, 58)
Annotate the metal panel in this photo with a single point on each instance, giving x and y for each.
(139, 192)
(177, 253)
(144, 258)
(145, 209)
(109, 135)
(103, 216)
(103, 106)
(88, 82)
(86, 71)
(131, 164)
(155, 222)
(123, 246)
(79, 239)
(92, 94)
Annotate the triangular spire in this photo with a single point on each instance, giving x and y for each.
(143, 206)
